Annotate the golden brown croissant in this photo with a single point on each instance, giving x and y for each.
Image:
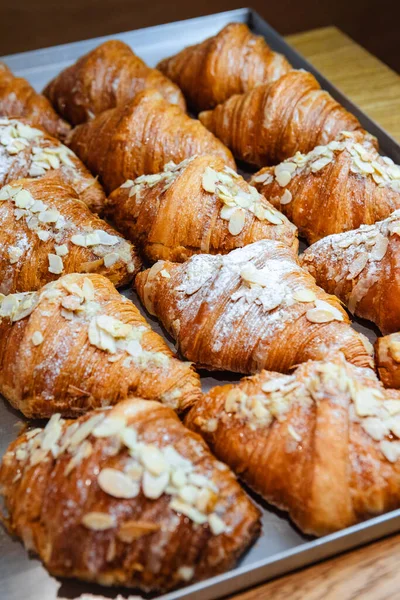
(333, 188)
(321, 444)
(77, 344)
(232, 62)
(253, 309)
(108, 76)
(200, 205)
(125, 497)
(362, 268)
(387, 358)
(275, 120)
(139, 138)
(47, 231)
(27, 151)
(19, 99)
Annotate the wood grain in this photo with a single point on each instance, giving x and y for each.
(372, 572)
(372, 85)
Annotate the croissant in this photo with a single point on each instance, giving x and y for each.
(273, 121)
(77, 344)
(110, 75)
(46, 231)
(362, 267)
(253, 309)
(200, 205)
(333, 188)
(387, 358)
(27, 151)
(232, 62)
(321, 444)
(139, 138)
(125, 497)
(19, 99)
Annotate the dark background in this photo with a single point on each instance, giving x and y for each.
(29, 24)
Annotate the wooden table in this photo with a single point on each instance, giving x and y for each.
(372, 572)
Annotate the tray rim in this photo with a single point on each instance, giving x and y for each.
(316, 550)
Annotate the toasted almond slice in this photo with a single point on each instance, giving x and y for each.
(286, 197)
(304, 295)
(117, 484)
(98, 521)
(237, 221)
(133, 530)
(209, 180)
(282, 177)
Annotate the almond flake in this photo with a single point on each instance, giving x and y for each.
(130, 531)
(237, 221)
(153, 487)
(304, 295)
(283, 177)
(209, 180)
(37, 338)
(56, 265)
(109, 426)
(185, 573)
(117, 484)
(98, 521)
(111, 259)
(286, 197)
(61, 250)
(216, 524)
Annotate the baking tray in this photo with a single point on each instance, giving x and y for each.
(281, 547)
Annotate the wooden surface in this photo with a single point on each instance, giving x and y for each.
(367, 81)
(371, 572)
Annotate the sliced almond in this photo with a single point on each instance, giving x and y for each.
(209, 180)
(304, 295)
(133, 530)
(98, 521)
(237, 221)
(286, 197)
(117, 484)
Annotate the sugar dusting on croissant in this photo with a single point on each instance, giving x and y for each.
(322, 443)
(125, 497)
(77, 344)
(27, 151)
(362, 267)
(254, 308)
(199, 205)
(47, 231)
(333, 188)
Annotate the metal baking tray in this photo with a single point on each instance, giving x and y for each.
(281, 547)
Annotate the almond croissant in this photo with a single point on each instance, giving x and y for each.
(139, 138)
(275, 120)
(77, 344)
(232, 62)
(362, 268)
(19, 99)
(200, 205)
(333, 188)
(387, 358)
(108, 76)
(46, 231)
(26, 151)
(253, 309)
(125, 497)
(321, 444)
